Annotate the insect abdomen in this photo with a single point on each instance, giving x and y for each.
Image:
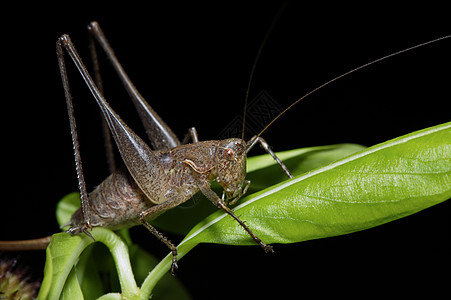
(116, 203)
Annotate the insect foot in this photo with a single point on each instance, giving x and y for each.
(267, 248)
(174, 265)
(79, 229)
(165, 241)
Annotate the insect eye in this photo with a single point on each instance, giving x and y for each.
(228, 153)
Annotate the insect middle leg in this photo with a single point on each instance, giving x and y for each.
(156, 210)
(191, 134)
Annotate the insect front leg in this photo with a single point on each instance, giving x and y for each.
(265, 146)
(204, 186)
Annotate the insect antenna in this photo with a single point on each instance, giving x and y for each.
(348, 73)
(257, 57)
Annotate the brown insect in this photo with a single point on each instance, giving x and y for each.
(153, 181)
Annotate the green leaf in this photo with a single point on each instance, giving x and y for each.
(88, 274)
(374, 186)
(263, 172)
(61, 255)
(72, 288)
(94, 262)
(371, 187)
(75, 265)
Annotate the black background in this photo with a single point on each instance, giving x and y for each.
(192, 63)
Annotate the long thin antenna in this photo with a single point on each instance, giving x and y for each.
(346, 74)
(254, 65)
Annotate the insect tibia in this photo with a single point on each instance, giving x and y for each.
(165, 241)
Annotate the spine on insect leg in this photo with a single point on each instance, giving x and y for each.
(115, 203)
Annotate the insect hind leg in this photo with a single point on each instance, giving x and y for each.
(62, 43)
(159, 133)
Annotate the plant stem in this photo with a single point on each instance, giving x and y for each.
(119, 251)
